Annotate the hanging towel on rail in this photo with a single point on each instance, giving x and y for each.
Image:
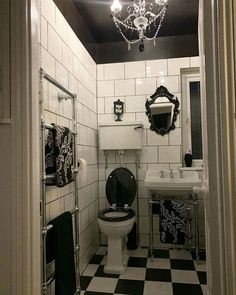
(60, 246)
(173, 221)
(50, 157)
(64, 155)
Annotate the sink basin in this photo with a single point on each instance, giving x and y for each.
(176, 183)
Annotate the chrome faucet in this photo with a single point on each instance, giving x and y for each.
(162, 173)
(180, 173)
(171, 173)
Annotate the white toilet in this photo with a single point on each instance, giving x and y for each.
(117, 221)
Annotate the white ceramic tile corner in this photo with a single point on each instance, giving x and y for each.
(124, 87)
(48, 10)
(105, 88)
(172, 83)
(100, 72)
(114, 71)
(175, 64)
(135, 69)
(145, 86)
(135, 103)
(194, 61)
(169, 154)
(156, 68)
(54, 44)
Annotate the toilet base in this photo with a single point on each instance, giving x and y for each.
(117, 256)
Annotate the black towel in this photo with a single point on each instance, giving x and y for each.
(173, 222)
(60, 246)
(64, 155)
(50, 157)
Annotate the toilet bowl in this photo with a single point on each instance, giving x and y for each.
(117, 221)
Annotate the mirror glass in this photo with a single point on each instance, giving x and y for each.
(162, 109)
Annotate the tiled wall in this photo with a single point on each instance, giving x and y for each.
(133, 83)
(63, 57)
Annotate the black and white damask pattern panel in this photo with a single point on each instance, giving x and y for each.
(64, 155)
(173, 221)
(50, 158)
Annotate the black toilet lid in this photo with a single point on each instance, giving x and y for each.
(121, 187)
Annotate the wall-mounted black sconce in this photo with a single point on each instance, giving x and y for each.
(118, 109)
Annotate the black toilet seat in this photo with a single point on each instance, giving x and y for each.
(129, 215)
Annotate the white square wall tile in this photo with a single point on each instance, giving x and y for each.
(105, 88)
(124, 87)
(44, 33)
(48, 10)
(156, 68)
(172, 83)
(145, 86)
(48, 63)
(101, 106)
(175, 64)
(175, 137)
(114, 71)
(135, 103)
(54, 44)
(149, 154)
(62, 75)
(169, 154)
(194, 61)
(68, 58)
(100, 72)
(135, 69)
(156, 139)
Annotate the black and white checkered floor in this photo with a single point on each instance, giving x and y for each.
(170, 272)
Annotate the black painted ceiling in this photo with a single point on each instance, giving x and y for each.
(181, 18)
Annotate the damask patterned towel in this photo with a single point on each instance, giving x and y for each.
(64, 155)
(173, 221)
(50, 158)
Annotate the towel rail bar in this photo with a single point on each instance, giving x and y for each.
(56, 83)
(47, 228)
(50, 127)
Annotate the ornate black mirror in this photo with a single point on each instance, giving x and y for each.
(162, 109)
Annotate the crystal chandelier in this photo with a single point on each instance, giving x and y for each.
(144, 18)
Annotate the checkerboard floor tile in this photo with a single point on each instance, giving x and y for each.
(170, 272)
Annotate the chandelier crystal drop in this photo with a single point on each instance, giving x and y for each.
(143, 19)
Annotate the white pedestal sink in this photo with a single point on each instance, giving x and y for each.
(171, 183)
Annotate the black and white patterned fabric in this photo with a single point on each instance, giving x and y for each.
(173, 221)
(64, 155)
(50, 157)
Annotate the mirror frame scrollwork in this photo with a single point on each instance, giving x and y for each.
(162, 92)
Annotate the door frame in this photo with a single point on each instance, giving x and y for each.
(219, 60)
(25, 153)
(217, 51)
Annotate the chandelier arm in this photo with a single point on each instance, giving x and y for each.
(116, 20)
(126, 19)
(160, 14)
